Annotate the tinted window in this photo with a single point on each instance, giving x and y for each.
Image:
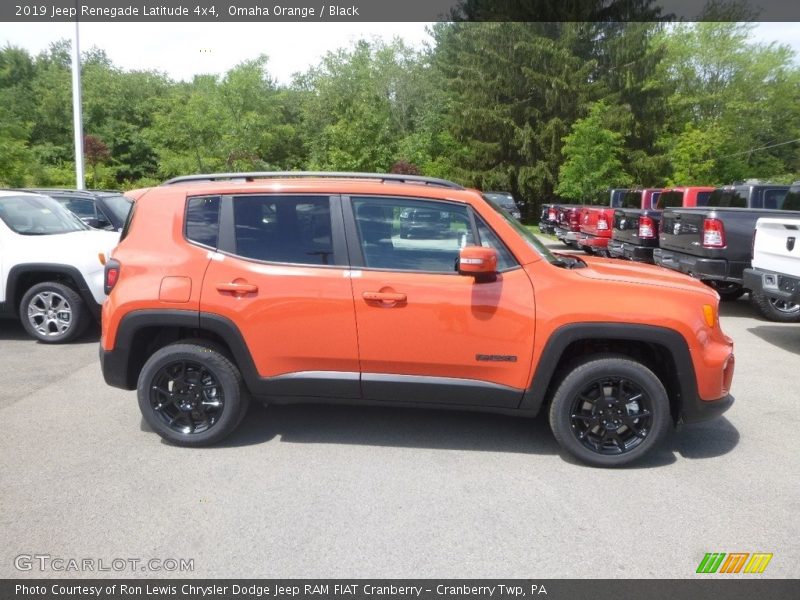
(670, 199)
(632, 200)
(727, 198)
(38, 215)
(202, 220)
(774, 198)
(792, 199)
(80, 206)
(120, 206)
(702, 198)
(411, 235)
(654, 199)
(616, 198)
(285, 229)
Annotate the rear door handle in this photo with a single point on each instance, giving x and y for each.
(383, 297)
(237, 288)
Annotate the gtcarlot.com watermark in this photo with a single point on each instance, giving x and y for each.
(62, 564)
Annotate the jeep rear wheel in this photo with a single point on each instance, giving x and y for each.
(775, 309)
(609, 412)
(191, 394)
(53, 313)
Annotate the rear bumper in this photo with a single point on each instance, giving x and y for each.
(566, 236)
(547, 227)
(630, 251)
(772, 284)
(593, 241)
(717, 269)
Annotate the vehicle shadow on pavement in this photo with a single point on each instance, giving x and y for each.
(452, 430)
(737, 308)
(12, 330)
(398, 427)
(785, 337)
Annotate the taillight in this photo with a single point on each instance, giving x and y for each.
(551, 214)
(647, 229)
(602, 223)
(713, 234)
(111, 275)
(574, 219)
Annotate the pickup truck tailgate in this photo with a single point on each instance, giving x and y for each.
(777, 247)
(682, 230)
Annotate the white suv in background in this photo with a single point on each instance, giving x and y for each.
(51, 266)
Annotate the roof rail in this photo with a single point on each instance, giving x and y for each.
(384, 177)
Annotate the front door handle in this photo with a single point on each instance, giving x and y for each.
(237, 288)
(383, 297)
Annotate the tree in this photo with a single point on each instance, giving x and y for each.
(96, 153)
(592, 154)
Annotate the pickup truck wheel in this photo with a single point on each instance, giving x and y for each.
(191, 395)
(728, 291)
(775, 309)
(609, 412)
(53, 313)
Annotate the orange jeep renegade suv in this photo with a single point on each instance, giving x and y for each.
(301, 287)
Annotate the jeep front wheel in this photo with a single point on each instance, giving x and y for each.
(53, 313)
(191, 395)
(609, 412)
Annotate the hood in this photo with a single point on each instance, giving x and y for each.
(604, 269)
(67, 248)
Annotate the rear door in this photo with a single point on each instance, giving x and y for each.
(427, 334)
(282, 277)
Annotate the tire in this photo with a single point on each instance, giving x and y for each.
(53, 313)
(638, 422)
(184, 417)
(587, 250)
(727, 291)
(774, 309)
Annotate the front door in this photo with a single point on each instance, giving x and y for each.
(427, 334)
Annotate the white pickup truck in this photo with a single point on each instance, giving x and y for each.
(774, 279)
(51, 266)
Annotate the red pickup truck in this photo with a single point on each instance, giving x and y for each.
(596, 222)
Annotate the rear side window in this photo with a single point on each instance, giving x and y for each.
(202, 220)
(285, 229)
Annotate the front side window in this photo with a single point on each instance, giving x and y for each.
(38, 215)
(411, 235)
(489, 239)
(285, 229)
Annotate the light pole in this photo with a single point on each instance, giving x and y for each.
(77, 115)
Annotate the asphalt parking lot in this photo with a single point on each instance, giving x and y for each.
(318, 491)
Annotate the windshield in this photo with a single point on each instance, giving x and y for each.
(526, 234)
(120, 206)
(38, 215)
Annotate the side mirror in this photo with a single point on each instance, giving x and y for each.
(478, 262)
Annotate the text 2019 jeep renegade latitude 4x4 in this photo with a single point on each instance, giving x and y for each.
(297, 287)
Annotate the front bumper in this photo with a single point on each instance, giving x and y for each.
(698, 410)
(772, 284)
(717, 269)
(630, 251)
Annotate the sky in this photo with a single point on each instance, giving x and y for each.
(183, 50)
